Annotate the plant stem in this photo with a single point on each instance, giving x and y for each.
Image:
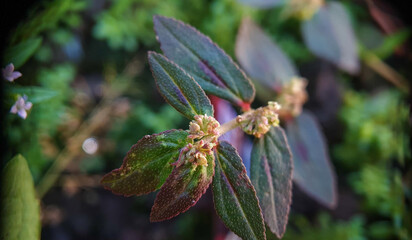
(99, 117)
(232, 124)
(385, 71)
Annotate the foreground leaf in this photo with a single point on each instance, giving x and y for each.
(234, 196)
(182, 189)
(329, 35)
(147, 164)
(178, 88)
(271, 174)
(262, 59)
(312, 171)
(20, 210)
(20, 53)
(209, 65)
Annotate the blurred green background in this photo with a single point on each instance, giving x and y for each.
(85, 63)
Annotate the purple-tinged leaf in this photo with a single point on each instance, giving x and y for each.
(329, 35)
(178, 88)
(261, 58)
(208, 64)
(182, 189)
(271, 174)
(147, 164)
(263, 3)
(234, 196)
(313, 172)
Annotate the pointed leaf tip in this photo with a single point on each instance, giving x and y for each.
(234, 196)
(178, 88)
(147, 164)
(313, 172)
(182, 189)
(208, 64)
(20, 216)
(271, 174)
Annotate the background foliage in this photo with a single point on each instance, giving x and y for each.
(84, 66)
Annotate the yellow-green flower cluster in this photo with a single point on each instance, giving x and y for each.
(292, 97)
(203, 134)
(258, 122)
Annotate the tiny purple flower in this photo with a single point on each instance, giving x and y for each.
(21, 107)
(9, 74)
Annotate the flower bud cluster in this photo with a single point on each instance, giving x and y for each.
(302, 9)
(292, 97)
(259, 121)
(203, 135)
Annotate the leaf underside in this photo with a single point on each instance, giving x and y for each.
(271, 174)
(202, 59)
(20, 210)
(234, 196)
(329, 35)
(182, 189)
(263, 3)
(312, 171)
(178, 88)
(261, 58)
(147, 164)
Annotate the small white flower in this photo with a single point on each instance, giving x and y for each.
(21, 107)
(9, 74)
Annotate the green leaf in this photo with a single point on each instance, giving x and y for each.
(147, 164)
(329, 35)
(21, 52)
(178, 88)
(271, 174)
(234, 196)
(312, 171)
(20, 210)
(209, 65)
(391, 42)
(182, 189)
(262, 59)
(34, 94)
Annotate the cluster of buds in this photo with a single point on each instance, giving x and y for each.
(292, 97)
(302, 9)
(203, 135)
(259, 121)
(204, 126)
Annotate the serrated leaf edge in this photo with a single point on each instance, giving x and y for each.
(219, 49)
(102, 182)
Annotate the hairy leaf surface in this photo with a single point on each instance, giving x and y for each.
(261, 58)
(312, 171)
(234, 196)
(178, 88)
(20, 210)
(329, 35)
(271, 174)
(147, 164)
(182, 189)
(209, 65)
